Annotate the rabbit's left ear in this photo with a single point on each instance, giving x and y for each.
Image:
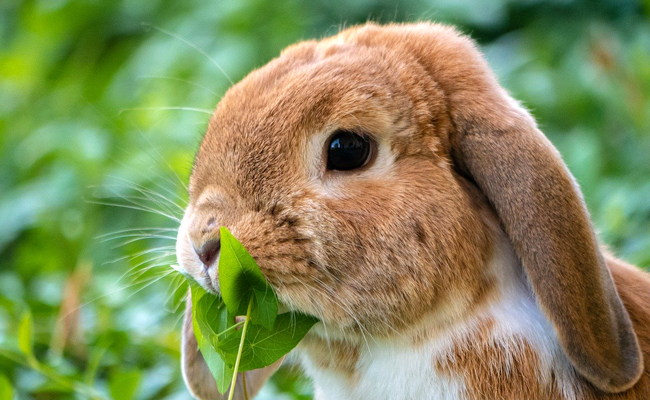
(195, 371)
(497, 143)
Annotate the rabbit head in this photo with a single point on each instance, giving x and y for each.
(400, 227)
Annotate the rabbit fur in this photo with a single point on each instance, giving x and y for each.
(459, 263)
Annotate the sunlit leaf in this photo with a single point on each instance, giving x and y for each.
(240, 279)
(26, 334)
(123, 384)
(6, 391)
(48, 388)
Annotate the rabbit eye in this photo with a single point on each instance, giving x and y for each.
(347, 150)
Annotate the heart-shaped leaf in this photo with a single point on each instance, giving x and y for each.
(263, 347)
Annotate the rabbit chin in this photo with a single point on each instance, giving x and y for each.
(451, 357)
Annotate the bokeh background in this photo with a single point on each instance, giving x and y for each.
(102, 104)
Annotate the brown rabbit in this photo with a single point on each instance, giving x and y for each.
(388, 185)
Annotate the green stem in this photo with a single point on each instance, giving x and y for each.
(241, 348)
(237, 325)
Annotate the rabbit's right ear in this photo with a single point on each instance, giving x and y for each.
(496, 142)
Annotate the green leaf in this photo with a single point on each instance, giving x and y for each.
(265, 336)
(178, 294)
(221, 372)
(26, 334)
(124, 383)
(265, 307)
(213, 318)
(202, 305)
(263, 347)
(240, 279)
(6, 391)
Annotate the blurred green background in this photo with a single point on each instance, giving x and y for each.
(104, 102)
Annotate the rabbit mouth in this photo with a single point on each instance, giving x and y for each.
(209, 285)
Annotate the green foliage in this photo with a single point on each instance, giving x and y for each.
(211, 317)
(123, 384)
(245, 292)
(85, 88)
(25, 335)
(262, 346)
(6, 391)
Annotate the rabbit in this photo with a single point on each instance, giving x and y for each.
(389, 186)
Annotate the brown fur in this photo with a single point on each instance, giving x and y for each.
(634, 289)
(492, 373)
(373, 251)
(333, 355)
(553, 236)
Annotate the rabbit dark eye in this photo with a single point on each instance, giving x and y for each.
(347, 150)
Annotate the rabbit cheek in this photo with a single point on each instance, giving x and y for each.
(403, 257)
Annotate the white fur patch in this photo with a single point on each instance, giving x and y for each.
(386, 371)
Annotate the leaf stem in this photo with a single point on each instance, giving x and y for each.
(241, 348)
(237, 325)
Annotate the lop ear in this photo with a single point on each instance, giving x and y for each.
(497, 143)
(196, 374)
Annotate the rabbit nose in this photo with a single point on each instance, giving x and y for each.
(208, 252)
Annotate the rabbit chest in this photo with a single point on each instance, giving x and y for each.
(506, 351)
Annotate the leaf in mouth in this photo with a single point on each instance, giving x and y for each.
(264, 337)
